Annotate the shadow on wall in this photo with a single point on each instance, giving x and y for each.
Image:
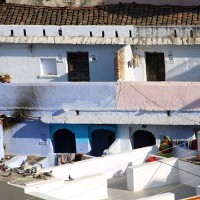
(63, 78)
(187, 71)
(193, 105)
(30, 129)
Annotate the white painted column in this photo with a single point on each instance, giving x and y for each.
(123, 135)
(1, 140)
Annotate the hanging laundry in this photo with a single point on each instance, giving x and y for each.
(65, 158)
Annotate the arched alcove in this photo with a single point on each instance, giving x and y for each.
(64, 141)
(101, 139)
(142, 138)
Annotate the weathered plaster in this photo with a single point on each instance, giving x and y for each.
(129, 96)
(161, 96)
(139, 35)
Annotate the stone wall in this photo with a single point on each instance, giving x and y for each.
(99, 2)
(57, 2)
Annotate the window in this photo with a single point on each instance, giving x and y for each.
(155, 66)
(48, 66)
(78, 64)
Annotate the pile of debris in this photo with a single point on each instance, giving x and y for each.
(25, 170)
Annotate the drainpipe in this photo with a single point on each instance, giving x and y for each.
(1, 139)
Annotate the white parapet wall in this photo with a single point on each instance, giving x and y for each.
(96, 31)
(111, 165)
(153, 174)
(189, 173)
(165, 196)
(85, 188)
(180, 152)
(115, 147)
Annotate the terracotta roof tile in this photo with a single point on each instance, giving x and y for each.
(119, 14)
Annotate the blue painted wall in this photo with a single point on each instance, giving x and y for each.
(82, 134)
(27, 137)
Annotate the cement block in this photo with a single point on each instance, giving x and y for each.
(198, 190)
(15, 161)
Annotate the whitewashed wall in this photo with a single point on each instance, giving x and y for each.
(152, 175)
(112, 165)
(23, 61)
(24, 64)
(189, 173)
(184, 67)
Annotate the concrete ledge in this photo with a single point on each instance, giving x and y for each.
(167, 196)
(85, 188)
(198, 190)
(153, 174)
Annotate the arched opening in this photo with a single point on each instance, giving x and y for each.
(143, 138)
(64, 141)
(100, 140)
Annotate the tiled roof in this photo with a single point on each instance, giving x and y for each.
(119, 14)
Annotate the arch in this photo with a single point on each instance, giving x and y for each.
(101, 139)
(64, 141)
(142, 138)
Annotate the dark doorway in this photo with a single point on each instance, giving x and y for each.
(64, 141)
(101, 140)
(78, 65)
(155, 64)
(143, 138)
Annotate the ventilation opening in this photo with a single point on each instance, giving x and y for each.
(191, 33)
(44, 32)
(60, 32)
(91, 34)
(24, 32)
(130, 34)
(103, 34)
(116, 34)
(175, 33)
(11, 33)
